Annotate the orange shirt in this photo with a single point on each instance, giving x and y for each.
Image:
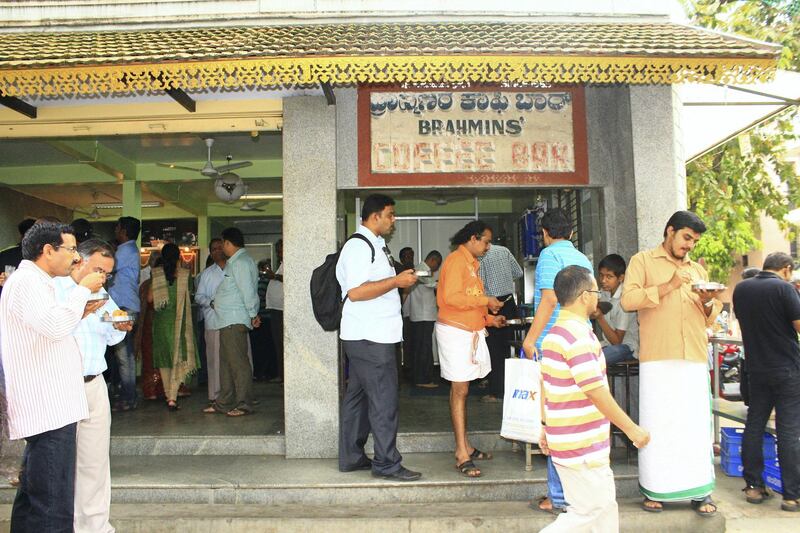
(460, 296)
(672, 326)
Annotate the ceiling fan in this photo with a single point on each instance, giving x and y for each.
(94, 214)
(249, 206)
(209, 170)
(441, 199)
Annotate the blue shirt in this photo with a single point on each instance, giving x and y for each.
(91, 334)
(236, 300)
(552, 260)
(125, 289)
(207, 284)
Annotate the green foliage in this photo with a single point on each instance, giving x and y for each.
(734, 184)
(773, 21)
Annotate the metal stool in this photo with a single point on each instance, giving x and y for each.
(624, 370)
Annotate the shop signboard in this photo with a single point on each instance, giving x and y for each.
(478, 137)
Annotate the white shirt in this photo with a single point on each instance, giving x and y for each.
(376, 320)
(207, 283)
(421, 300)
(92, 334)
(41, 359)
(618, 318)
(274, 297)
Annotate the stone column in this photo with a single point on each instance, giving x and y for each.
(658, 160)
(311, 388)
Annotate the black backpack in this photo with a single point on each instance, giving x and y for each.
(326, 293)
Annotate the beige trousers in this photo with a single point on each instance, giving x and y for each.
(592, 499)
(93, 468)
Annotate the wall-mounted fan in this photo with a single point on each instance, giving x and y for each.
(209, 169)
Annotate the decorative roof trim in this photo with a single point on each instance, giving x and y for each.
(307, 71)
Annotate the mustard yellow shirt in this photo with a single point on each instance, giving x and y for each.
(673, 326)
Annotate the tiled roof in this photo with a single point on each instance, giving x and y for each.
(70, 49)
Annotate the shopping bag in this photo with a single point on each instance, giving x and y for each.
(522, 415)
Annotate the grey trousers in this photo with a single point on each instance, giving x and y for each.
(370, 405)
(235, 372)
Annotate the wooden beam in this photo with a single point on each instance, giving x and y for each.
(328, 90)
(18, 105)
(184, 99)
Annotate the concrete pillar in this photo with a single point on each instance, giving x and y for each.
(203, 236)
(311, 387)
(132, 202)
(658, 160)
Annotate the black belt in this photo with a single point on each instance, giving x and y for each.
(87, 379)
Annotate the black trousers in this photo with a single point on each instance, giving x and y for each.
(370, 405)
(499, 348)
(276, 324)
(45, 498)
(422, 335)
(780, 390)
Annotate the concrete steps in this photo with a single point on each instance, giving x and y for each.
(275, 480)
(462, 517)
(276, 444)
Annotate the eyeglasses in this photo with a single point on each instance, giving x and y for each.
(70, 249)
(596, 292)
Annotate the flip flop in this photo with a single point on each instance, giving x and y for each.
(652, 509)
(468, 468)
(237, 412)
(696, 505)
(537, 506)
(211, 410)
(479, 455)
(763, 494)
(792, 507)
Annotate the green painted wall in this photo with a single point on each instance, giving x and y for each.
(15, 206)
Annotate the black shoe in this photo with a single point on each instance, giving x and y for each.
(404, 474)
(360, 466)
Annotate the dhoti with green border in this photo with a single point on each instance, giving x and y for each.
(675, 407)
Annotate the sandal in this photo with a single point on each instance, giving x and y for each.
(469, 469)
(537, 506)
(650, 508)
(697, 504)
(479, 455)
(755, 494)
(212, 410)
(237, 412)
(790, 505)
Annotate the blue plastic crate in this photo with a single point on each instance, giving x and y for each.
(731, 444)
(772, 477)
(732, 466)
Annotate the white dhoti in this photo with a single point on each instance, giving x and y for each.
(463, 355)
(675, 407)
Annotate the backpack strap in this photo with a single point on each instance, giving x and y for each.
(363, 238)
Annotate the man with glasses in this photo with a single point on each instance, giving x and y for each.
(93, 470)
(578, 409)
(370, 330)
(43, 371)
(125, 291)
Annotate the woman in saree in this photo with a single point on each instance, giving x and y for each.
(174, 350)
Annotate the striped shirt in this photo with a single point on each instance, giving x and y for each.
(93, 335)
(499, 269)
(555, 257)
(41, 360)
(573, 364)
